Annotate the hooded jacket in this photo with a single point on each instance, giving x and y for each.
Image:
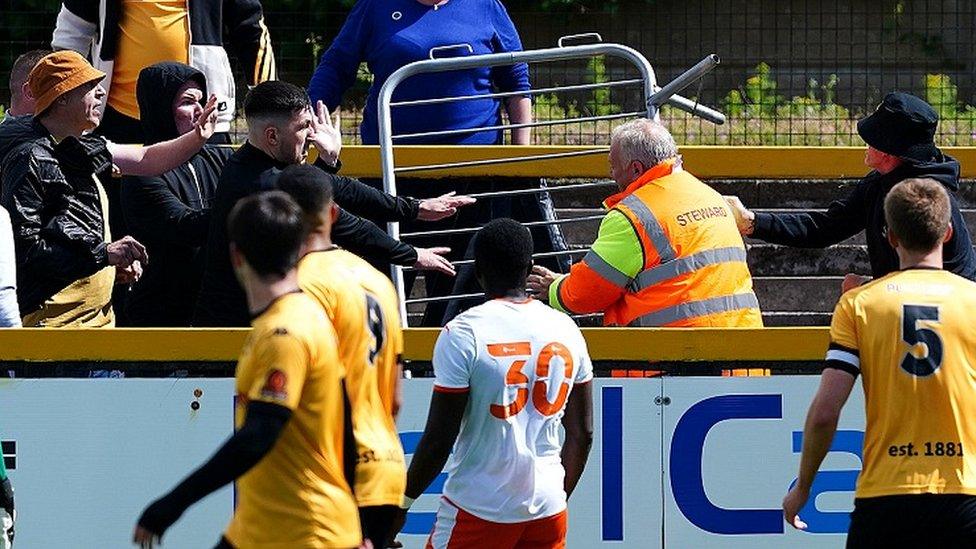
(863, 210)
(169, 214)
(50, 192)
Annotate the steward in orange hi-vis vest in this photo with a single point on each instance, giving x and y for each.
(668, 254)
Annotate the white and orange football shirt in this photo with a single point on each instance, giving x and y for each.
(519, 362)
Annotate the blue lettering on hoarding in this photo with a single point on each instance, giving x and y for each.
(612, 435)
(687, 446)
(420, 523)
(830, 522)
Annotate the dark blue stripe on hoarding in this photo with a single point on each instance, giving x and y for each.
(613, 464)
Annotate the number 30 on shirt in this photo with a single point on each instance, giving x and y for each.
(522, 351)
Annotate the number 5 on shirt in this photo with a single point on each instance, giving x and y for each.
(540, 389)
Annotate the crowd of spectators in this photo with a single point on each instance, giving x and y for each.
(85, 210)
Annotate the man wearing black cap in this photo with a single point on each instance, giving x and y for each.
(900, 136)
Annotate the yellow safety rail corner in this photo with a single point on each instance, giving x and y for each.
(209, 345)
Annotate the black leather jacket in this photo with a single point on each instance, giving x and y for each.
(50, 192)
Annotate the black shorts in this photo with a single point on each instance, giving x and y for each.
(377, 523)
(947, 521)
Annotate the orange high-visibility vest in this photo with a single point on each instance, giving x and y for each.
(694, 269)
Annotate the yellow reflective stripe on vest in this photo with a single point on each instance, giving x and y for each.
(651, 226)
(693, 309)
(606, 271)
(683, 265)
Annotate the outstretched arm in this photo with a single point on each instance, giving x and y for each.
(163, 157)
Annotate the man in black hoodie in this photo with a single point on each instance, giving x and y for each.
(900, 142)
(170, 213)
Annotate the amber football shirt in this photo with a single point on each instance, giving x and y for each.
(296, 496)
(910, 335)
(363, 307)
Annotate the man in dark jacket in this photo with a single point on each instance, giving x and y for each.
(900, 142)
(58, 208)
(281, 125)
(170, 213)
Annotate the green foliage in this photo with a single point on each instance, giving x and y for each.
(600, 104)
(759, 98)
(3, 111)
(548, 107)
(943, 95)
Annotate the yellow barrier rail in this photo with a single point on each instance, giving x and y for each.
(703, 161)
(212, 345)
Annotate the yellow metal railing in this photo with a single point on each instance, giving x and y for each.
(703, 161)
(208, 345)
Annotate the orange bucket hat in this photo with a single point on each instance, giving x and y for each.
(58, 73)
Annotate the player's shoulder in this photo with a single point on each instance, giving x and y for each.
(295, 314)
(551, 317)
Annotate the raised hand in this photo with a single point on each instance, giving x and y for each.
(207, 122)
(326, 133)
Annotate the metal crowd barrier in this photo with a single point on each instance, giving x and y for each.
(654, 97)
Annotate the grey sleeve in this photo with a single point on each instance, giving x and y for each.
(9, 311)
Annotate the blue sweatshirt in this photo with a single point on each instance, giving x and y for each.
(388, 34)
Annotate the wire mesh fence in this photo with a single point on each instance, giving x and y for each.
(794, 72)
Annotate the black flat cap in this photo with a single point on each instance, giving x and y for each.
(904, 126)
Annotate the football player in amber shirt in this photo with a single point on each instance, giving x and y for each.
(292, 414)
(910, 335)
(362, 305)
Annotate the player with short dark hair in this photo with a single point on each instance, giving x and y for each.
(503, 256)
(362, 305)
(910, 335)
(292, 415)
(508, 372)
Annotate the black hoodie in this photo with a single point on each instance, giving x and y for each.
(170, 213)
(863, 210)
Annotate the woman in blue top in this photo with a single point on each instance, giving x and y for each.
(388, 34)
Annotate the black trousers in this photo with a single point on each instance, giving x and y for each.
(524, 208)
(946, 521)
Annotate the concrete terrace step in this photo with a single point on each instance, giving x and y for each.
(796, 318)
(797, 293)
(771, 260)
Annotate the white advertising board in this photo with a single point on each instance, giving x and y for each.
(92, 453)
(704, 465)
(732, 448)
